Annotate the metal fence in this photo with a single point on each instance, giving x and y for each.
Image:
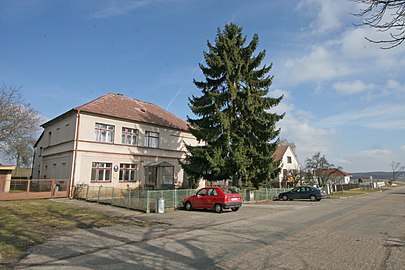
(147, 200)
(18, 189)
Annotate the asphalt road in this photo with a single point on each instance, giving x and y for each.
(364, 232)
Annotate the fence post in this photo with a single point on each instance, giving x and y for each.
(98, 194)
(53, 188)
(28, 185)
(267, 194)
(129, 198)
(175, 199)
(147, 202)
(87, 192)
(112, 196)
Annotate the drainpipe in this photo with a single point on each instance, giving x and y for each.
(72, 184)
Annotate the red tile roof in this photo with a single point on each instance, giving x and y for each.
(336, 172)
(119, 106)
(278, 154)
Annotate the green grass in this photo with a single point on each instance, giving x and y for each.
(353, 192)
(30, 222)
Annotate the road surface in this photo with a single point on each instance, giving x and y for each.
(364, 232)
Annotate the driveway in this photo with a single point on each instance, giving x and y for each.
(365, 232)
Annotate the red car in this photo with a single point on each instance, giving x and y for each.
(217, 198)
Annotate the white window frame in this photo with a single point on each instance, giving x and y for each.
(101, 172)
(104, 133)
(129, 136)
(128, 172)
(152, 139)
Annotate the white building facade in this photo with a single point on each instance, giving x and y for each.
(289, 164)
(114, 141)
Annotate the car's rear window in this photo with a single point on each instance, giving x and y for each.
(229, 191)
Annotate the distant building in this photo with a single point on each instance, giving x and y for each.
(337, 176)
(290, 166)
(114, 141)
(21, 173)
(5, 177)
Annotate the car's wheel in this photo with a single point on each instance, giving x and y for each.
(312, 198)
(218, 208)
(285, 198)
(235, 209)
(188, 206)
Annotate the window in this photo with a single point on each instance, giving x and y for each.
(101, 171)
(49, 138)
(151, 139)
(212, 192)
(104, 133)
(128, 172)
(289, 159)
(129, 136)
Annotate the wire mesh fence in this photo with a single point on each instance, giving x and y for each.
(147, 200)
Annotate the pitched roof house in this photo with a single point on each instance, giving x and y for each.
(114, 141)
(290, 164)
(337, 176)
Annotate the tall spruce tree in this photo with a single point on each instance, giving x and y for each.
(238, 132)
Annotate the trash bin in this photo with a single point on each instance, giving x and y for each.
(57, 188)
(160, 205)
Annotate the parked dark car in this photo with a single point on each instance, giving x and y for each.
(304, 192)
(217, 198)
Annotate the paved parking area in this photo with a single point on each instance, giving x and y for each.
(357, 233)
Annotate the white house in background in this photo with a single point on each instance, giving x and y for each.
(337, 176)
(114, 141)
(290, 165)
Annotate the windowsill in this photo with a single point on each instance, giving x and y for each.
(100, 181)
(128, 181)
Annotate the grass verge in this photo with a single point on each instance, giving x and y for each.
(353, 192)
(30, 222)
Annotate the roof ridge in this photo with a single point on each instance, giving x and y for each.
(130, 108)
(87, 103)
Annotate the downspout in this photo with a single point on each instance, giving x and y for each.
(72, 184)
(33, 163)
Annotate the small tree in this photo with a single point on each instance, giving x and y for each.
(385, 15)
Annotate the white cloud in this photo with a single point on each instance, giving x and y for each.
(373, 153)
(381, 116)
(402, 147)
(329, 15)
(349, 88)
(393, 84)
(117, 8)
(319, 65)
(296, 127)
(376, 159)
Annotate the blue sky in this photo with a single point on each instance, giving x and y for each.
(344, 97)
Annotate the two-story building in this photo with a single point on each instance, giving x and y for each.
(114, 141)
(289, 164)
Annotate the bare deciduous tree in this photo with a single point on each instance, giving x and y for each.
(385, 16)
(319, 168)
(397, 170)
(19, 124)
